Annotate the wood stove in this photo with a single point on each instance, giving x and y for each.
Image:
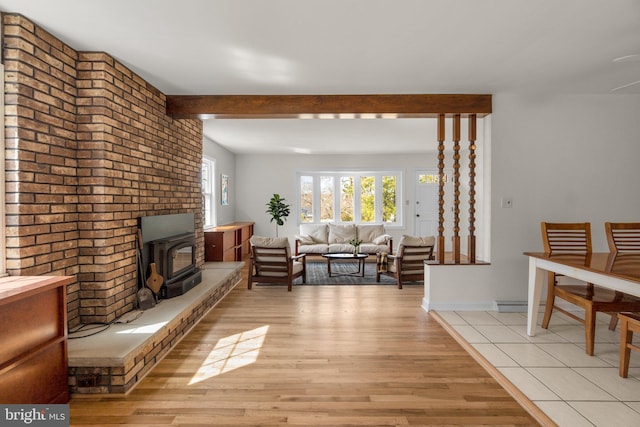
(175, 259)
(171, 245)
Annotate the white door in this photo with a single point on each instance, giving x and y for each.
(426, 208)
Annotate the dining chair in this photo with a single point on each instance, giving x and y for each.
(624, 239)
(629, 323)
(623, 236)
(574, 240)
(271, 262)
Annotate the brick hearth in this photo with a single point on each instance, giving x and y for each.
(116, 359)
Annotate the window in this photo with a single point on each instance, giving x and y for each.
(357, 197)
(327, 196)
(346, 199)
(431, 178)
(306, 198)
(208, 213)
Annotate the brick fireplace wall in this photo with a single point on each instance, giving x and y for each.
(89, 150)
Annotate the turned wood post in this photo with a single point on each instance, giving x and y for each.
(472, 189)
(441, 134)
(456, 189)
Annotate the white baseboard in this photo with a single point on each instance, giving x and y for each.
(460, 306)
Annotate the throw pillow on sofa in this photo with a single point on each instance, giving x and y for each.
(313, 233)
(369, 232)
(382, 239)
(341, 233)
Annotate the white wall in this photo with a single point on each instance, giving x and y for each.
(262, 175)
(225, 163)
(560, 158)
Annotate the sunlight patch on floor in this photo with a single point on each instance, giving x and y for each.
(232, 352)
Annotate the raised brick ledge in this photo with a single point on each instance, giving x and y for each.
(115, 360)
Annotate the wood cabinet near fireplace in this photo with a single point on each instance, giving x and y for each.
(33, 339)
(228, 242)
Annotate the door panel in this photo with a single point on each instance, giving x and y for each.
(426, 209)
(426, 204)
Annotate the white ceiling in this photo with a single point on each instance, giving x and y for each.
(199, 47)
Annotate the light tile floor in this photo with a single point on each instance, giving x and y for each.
(552, 368)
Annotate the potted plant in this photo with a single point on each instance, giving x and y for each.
(278, 210)
(356, 245)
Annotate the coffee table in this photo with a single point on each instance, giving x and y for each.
(359, 258)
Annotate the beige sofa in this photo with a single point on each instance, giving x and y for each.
(318, 239)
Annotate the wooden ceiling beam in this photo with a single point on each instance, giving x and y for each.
(297, 106)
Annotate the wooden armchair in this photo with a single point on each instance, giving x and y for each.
(408, 263)
(574, 239)
(270, 262)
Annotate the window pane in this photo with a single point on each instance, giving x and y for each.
(206, 184)
(367, 199)
(207, 209)
(306, 199)
(208, 213)
(388, 199)
(346, 199)
(431, 179)
(326, 198)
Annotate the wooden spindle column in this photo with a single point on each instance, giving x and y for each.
(441, 134)
(472, 189)
(471, 242)
(456, 189)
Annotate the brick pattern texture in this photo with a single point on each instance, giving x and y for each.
(89, 150)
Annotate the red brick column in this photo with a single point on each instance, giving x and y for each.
(89, 150)
(40, 148)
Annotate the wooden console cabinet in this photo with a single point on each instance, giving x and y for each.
(33, 339)
(228, 242)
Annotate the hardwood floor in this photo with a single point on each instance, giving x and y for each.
(317, 356)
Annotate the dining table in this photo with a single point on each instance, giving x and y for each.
(618, 271)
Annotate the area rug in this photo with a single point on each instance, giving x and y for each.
(317, 274)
